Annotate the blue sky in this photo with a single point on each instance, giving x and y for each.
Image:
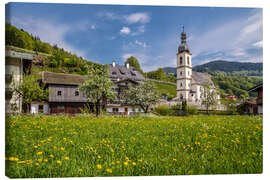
(106, 33)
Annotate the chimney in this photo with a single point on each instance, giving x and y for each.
(127, 65)
(113, 63)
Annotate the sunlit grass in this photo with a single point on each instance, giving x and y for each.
(63, 146)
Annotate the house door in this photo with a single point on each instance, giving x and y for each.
(126, 110)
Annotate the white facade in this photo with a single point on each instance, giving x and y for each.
(39, 108)
(123, 109)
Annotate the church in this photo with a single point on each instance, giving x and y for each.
(190, 83)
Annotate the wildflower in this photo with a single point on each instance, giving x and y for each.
(59, 162)
(39, 153)
(40, 160)
(134, 163)
(66, 158)
(99, 157)
(36, 163)
(64, 139)
(99, 166)
(62, 149)
(243, 163)
(126, 163)
(11, 158)
(109, 170)
(113, 163)
(16, 159)
(51, 156)
(28, 161)
(126, 158)
(253, 153)
(35, 147)
(45, 160)
(118, 162)
(140, 160)
(20, 162)
(174, 159)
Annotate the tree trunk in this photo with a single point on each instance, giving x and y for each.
(146, 109)
(97, 109)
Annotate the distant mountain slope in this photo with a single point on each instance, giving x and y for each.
(225, 66)
(228, 66)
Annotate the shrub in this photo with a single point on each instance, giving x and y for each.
(163, 110)
(191, 110)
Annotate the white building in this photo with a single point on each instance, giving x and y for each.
(189, 83)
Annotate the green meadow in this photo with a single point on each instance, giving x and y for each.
(83, 146)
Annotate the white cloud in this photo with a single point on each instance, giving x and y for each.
(258, 44)
(142, 44)
(125, 30)
(93, 27)
(137, 18)
(48, 31)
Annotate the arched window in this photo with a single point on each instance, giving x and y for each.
(181, 60)
(188, 60)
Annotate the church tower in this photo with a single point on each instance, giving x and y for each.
(184, 69)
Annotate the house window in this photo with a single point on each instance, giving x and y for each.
(115, 109)
(188, 60)
(40, 108)
(59, 93)
(60, 107)
(76, 93)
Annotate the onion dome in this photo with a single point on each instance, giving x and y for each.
(183, 47)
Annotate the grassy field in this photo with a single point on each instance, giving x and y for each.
(62, 146)
(164, 88)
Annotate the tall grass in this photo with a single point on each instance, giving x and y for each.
(63, 146)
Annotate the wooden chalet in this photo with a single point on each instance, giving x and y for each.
(65, 97)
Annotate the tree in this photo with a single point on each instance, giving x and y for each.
(208, 96)
(132, 61)
(98, 88)
(31, 90)
(143, 95)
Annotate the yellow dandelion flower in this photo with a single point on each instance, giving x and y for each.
(39, 153)
(140, 160)
(118, 162)
(45, 160)
(174, 159)
(64, 139)
(134, 164)
(99, 166)
(16, 159)
(59, 162)
(125, 163)
(20, 162)
(35, 147)
(51, 156)
(28, 161)
(109, 170)
(66, 158)
(113, 163)
(37, 164)
(62, 149)
(253, 153)
(40, 160)
(99, 157)
(243, 163)
(126, 158)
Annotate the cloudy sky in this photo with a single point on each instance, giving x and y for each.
(106, 33)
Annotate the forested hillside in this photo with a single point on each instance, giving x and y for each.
(48, 57)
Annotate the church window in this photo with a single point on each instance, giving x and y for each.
(181, 60)
(188, 60)
(181, 96)
(181, 85)
(181, 73)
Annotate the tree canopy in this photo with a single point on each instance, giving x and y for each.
(132, 61)
(143, 95)
(98, 88)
